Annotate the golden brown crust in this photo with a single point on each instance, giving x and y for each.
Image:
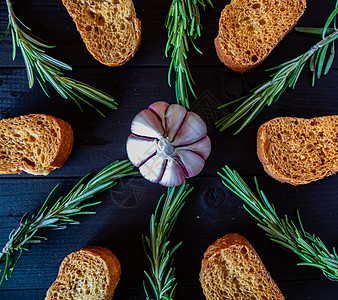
(36, 144)
(104, 43)
(219, 272)
(231, 19)
(225, 59)
(112, 263)
(277, 171)
(66, 145)
(63, 286)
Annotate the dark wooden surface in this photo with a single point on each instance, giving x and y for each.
(211, 210)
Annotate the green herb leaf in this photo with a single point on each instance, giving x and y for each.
(161, 278)
(286, 76)
(313, 30)
(60, 214)
(285, 233)
(184, 26)
(48, 69)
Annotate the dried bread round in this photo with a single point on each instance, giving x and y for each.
(91, 273)
(231, 269)
(297, 150)
(109, 28)
(250, 29)
(36, 144)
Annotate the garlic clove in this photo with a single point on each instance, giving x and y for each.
(159, 108)
(192, 130)
(139, 149)
(146, 123)
(192, 162)
(153, 168)
(201, 147)
(174, 118)
(173, 174)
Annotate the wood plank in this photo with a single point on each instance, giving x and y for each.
(310, 289)
(99, 140)
(51, 22)
(211, 211)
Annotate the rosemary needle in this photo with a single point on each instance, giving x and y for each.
(161, 277)
(309, 247)
(320, 56)
(45, 68)
(60, 214)
(184, 27)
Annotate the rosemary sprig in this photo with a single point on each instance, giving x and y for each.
(184, 26)
(60, 214)
(45, 68)
(309, 247)
(157, 248)
(286, 75)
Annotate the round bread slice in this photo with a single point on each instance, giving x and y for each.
(36, 144)
(297, 150)
(250, 29)
(231, 269)
(109, 28)
(91, 273)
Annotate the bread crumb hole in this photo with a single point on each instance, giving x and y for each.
(243, 250)
(256, 6)
(31, 139)
(101, 20)
(115, 1)
(122, 27)
(88, 28)
(254, 58)
(262, 21)
(92, 14)
(29, 162)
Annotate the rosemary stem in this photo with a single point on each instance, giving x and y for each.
(284, 232)
(60, 214)
(45, 69)
(286, 76)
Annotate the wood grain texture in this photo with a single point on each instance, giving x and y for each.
(211, 210)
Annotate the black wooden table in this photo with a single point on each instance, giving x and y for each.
(211, 210)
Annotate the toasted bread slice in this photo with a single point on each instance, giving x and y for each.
(231, 269)
(250, 29)
(109, 28)
(299, 151)
(91, 273)
(36, 144)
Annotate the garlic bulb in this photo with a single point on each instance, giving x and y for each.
(168, 144)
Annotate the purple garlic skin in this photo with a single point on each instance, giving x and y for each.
(168, 144)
